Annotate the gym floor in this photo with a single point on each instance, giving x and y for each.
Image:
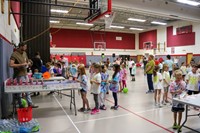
(137, 113)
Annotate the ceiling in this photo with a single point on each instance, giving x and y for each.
(150, 10)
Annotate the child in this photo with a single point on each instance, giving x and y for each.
(157, 79)
(177, 87)
(192, 81)
(123, 76)
(114, 85)
(73, 71)
(183, 69)
(166, 82)
(82, 78)
(133, 72)
(188, 68)
(58, 69)
(91, 70)
(96, 87)
(161, 66)
(104, 80)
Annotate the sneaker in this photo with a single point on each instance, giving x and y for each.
(33, 106)
(114, 107)
(163, 102)
(179, 128)
(103, 107)
(148, 92)
(175, 126)
(155, 103)
(81, 110)
(167, 101)
(95, 111)
(159, 106)
(87, 110)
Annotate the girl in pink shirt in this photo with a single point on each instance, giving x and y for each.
(123, 76)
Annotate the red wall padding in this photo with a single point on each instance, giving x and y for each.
(82, 39)
(179, 40)
(147, 37)
(15, 6)
(80, 58)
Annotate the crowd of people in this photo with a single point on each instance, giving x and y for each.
(168, 76)
(163, 76)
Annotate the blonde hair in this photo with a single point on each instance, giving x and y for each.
(164, 67)
(82, 69)
(178, 73)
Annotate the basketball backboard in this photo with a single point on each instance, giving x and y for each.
(104, 8)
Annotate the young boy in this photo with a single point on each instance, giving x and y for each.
(176, 88)
(192, 79)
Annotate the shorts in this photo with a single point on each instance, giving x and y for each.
(166, 89)
(177, 109)
(190, 92)
(133, 75)
(83, 91)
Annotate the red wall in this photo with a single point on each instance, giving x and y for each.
(15, 6)
(82, 39)
(179, 40)
(146, 37)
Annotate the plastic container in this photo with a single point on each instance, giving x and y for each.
(37, 75)
(24, 114)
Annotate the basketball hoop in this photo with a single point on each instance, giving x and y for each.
(109, 19)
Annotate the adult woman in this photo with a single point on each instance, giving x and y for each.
(149, 71)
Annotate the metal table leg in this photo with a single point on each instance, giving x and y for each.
(186, 116)
(74, 101)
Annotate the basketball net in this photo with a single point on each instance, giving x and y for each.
(109, 19)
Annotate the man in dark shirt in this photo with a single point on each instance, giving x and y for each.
(19, 62)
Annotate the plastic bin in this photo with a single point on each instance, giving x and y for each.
(24, 114)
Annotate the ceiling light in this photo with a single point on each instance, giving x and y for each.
(136, 29)
(59, 11)
(160, 23)
(54, 21)
(135, 19)
(117, 27)
(189, 2)
(107, 15)
(86, 24)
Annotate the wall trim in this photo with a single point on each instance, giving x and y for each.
(4, 38)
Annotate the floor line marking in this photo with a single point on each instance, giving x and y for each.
(103, 118)
(143, 118)
(66, 114)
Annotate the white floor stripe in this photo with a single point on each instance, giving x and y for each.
(103, 118)
(67, 114)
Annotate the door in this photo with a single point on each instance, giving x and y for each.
(139, 58)
(189, 57)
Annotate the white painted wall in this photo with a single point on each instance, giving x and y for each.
(10, 32)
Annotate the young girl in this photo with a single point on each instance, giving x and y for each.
(82, 78)
(114, 85)
(157, 79)
(177, 87)
(104, 82)
(133, 72)
(166, 82)
(96, 87)
(123, 76)
(188, 68)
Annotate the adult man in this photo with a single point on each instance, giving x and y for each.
(19, 61)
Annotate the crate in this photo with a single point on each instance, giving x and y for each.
(24, 114)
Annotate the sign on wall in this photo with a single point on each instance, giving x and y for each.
(172, 50)
(119, 38)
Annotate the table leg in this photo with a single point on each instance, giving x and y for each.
(186, 115)
(74, 101)
(71, 102)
